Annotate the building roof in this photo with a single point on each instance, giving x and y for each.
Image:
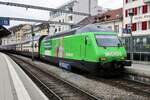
(87, 20)
(16, 28)
(108, 16)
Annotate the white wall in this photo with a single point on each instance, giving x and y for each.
(11, 39)
(79, 6)
(112, 24)
(136, 18)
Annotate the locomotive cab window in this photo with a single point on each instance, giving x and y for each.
(108, 40)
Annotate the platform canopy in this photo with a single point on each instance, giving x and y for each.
(4, 32)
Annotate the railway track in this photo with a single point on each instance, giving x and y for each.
(53, 87)
(136, 87)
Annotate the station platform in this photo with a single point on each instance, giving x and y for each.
(15, 84)
(139, 69)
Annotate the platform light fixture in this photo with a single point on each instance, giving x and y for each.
(131, 14)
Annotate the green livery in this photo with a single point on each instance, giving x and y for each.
(90, 48)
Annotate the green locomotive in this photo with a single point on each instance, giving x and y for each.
(91, 48)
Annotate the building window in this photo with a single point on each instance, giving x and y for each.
(117, 28)
(126, 13)
(134, 27)
(126, 26)
(130, 11)
(55, 29)
(144, 25)
(145, 9)
(70, 9)
(70, 18)
(59, 29)
(134, 11)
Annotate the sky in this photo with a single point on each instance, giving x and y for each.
(8, 11)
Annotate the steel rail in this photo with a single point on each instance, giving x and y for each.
(69, 84)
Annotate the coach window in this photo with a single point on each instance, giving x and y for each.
(117, 28)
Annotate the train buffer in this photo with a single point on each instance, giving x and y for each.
(15, 84)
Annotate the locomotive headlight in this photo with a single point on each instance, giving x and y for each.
(102, 59)
(123, 58)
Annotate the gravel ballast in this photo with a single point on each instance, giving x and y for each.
(95, 87)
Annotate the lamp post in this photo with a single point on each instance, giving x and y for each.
(32, 31)
(48, 28)
(131, 14)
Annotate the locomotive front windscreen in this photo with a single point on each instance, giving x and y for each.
(107, 40)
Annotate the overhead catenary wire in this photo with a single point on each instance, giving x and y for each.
(38, 21)
(42, 8)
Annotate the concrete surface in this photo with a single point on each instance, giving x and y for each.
(139, 69)
(15, 84)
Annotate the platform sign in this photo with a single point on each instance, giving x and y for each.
(4, 21)
(126, 30)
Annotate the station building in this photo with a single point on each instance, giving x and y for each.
(21, 33)
(3, 33)
(113, 19)
(140, 27)
(84, 6)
